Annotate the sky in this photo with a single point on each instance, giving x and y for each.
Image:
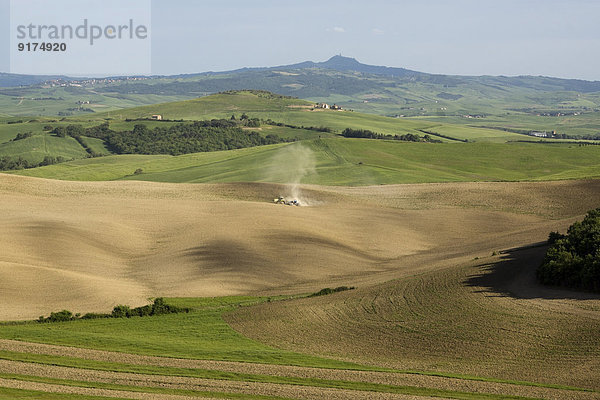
(464, 37)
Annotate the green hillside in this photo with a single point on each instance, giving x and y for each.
(340, 161)
(356, 161)
(35, 148)
(297, 112)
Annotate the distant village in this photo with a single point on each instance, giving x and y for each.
(90, 82)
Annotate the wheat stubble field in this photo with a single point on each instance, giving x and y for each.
(431, 300)
(123, 242)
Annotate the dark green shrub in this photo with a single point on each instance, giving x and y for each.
(60, 316)
(121, 311)
(95, 316)
(74, 130)
(23, 135)
(573, 260)
(327, 291)
(59, 131)
(158, 307)
(143, 311)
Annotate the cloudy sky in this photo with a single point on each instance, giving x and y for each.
(468, 37)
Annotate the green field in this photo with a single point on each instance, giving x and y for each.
(575, 125)
(200, 334)
(340, 161)
(36, 147)
(289, 111)
(475, 134)
(298, 114)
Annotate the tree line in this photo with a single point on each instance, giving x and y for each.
(183, 138)
(367, 134)
(8, 163)
(158, 307)
(195, 137)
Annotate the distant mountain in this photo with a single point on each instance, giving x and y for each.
(348, 64)
(378, 89)
(340, 63)
(335, 63)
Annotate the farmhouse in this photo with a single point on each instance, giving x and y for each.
(326, 106)
(540, 134)
(156, 117)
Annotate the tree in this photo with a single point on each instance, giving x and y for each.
(573, 260)
(121, 311)
(60, 131)
(75, 130)
(21, 136)
(253, 123)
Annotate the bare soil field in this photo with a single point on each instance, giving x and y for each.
(487, 317)
(87, 246)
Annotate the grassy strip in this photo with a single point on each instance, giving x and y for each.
(20, 394)
(201, 334)
(242, 377)
(139, 389)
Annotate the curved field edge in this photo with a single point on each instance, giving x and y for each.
(487, 316)
(350, 162)
(200, 334)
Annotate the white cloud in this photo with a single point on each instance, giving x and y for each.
(337, 29)
(377, 31)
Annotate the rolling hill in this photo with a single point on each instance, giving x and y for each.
(339, 161)
(516, 103)
(435, 242)
(465, 154)
(432, 313)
